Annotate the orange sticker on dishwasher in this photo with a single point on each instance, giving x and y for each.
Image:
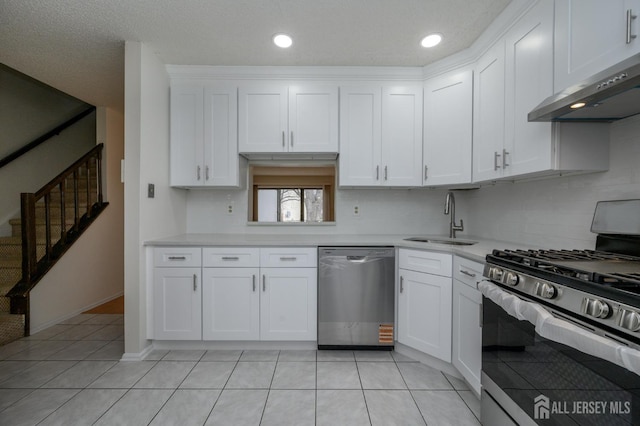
(385, 333)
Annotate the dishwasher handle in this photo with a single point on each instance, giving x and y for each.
(356, 258)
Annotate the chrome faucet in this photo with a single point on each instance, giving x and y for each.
(450, 206)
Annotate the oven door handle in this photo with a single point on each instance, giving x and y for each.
(562, 331)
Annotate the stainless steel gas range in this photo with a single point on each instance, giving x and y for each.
(561, 329)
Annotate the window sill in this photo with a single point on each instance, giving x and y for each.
(291, 223)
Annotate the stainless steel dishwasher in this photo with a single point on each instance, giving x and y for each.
(356, 297)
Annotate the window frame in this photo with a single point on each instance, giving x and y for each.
(313, 176)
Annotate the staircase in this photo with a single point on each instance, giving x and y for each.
(76, 196)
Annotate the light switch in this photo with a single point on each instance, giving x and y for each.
(151, 191)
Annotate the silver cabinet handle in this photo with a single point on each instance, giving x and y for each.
(198, 172)
(385, 173)
(264, 283)
(206, 173)
(195, 282)
(401, 282)
(230, 258)
(480, 316)
(288, 259)
(504, 158)
(291, 141)
(377, 172)
(177, 258)
(254, 283)
(495, 160)
(469, 274)
(425, 173)
(630, 17)
(283, 138)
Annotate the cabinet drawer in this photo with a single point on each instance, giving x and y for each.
(231, 257)
(425, 261)
(295, 257)
(178, 257)
(467, 271)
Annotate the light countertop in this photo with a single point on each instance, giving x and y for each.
(475, 252)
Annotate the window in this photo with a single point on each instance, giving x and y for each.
(292, 194)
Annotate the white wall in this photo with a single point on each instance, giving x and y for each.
(146, 161)
(382, 211)
(557, 212)
(92, 271)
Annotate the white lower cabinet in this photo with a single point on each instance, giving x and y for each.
(467, 320)
(177, 304)
(424, 302)
(288, 304)
(230, 304)
(248, 295)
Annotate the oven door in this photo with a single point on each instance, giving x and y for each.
(578, 378)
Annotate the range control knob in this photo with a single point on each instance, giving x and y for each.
(545, 290)
(511, 279)
(595, 308)
(629, 320)
(495, 273)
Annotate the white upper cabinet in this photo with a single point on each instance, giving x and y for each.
(591, 35)
(276, 118)
(313, 118)
(381, 136)
(488, 110)
(360, 136)
(448, 128)
(402, 136)
(204, 141)
(511, 79)
(528, 147)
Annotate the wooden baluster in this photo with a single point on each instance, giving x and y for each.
(63, 220)
(99, 177)
(88, 179)
(76, 201)
(47, 225)
(28, 225)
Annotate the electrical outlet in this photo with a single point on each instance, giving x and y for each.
(356, 210)
(230, 207)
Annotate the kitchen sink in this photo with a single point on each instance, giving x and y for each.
(449, 241)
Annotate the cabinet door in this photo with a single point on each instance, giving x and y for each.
(488, 120)
(401, 136)
(186, 135)
(448, 128)
(313, 118)
(467, 333)
(262, 118)
(591, 35)
(528, 81)
(177, 301)
(288, 304)
(424, 313)
(221, 136)
(360, 136)
(231, 304)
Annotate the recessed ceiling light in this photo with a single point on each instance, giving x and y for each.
(578, 105)
(431, 40)
(282, 40)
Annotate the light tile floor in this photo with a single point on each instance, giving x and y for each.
(71, 374)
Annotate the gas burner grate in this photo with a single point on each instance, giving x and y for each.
(531, 256)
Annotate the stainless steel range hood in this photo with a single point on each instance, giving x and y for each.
(610, 95)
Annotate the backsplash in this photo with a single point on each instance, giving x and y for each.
(382, 211)
(556, 212)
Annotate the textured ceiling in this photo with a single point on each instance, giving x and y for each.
(77, 46)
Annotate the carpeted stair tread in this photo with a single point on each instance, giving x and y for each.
(11, 327)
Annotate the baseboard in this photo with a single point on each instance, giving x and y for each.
(233, 345)
(137, 356)
(74, 313)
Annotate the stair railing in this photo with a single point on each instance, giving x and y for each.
(82, 182)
